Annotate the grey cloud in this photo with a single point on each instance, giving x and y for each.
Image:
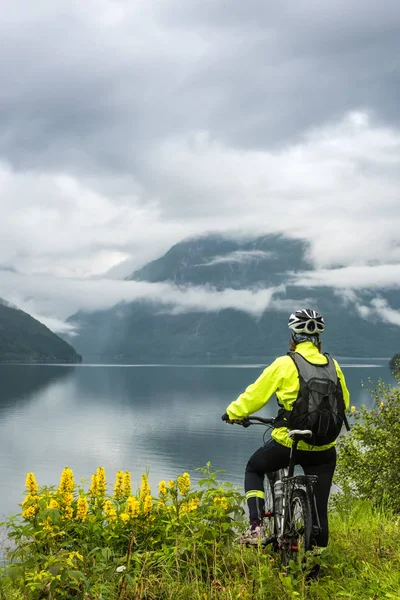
(88, 89)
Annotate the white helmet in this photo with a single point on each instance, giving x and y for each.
(306, 321)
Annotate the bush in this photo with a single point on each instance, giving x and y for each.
(394, 364)
(369, 456)
(71, 543)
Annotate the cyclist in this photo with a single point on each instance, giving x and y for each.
(281, 377)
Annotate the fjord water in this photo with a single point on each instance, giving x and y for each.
(162, 418)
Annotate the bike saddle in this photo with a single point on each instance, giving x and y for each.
(302, 432)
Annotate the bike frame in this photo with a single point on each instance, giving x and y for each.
(291, 482)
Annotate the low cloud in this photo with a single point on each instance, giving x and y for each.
(53, 304)
(378, 309)
(240, 257)
(385, 276)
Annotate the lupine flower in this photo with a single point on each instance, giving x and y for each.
(221, 501)
(66, 481)
(124, 517)
(101, 481)
(127, 484)
(31, 485)
(184, 483)
(93, 486)
(147, 505)
(68, 498)
(82, 508)
(162, 488)
(29, 511)
(133, 506)
(144, 488)
(109, 511)
(28, 499)
(119, 485)
(194, 504)
(68, 512)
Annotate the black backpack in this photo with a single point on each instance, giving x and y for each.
(319, 405)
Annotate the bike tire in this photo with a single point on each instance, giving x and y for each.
(269, 517)
(298, 528)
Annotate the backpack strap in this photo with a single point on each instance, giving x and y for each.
(281, 419)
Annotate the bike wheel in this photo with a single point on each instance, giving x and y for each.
(269, 516)
(298, 528)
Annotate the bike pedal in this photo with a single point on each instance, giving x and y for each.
(269, 540)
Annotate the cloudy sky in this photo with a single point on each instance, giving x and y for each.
(128, 126)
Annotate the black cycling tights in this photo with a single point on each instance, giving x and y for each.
(273, 456)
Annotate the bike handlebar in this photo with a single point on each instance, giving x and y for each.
(247, 421)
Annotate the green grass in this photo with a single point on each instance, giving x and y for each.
(362, 562)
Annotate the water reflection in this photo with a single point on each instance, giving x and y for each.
(162, 418)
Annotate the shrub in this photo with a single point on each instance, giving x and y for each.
(72, 543)
(369, 456)
(394, 364)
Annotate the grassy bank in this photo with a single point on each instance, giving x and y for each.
(179, 543)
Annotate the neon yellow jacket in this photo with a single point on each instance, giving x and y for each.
(281, 378)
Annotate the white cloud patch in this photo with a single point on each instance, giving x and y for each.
(350, 278)
(52, 304)
(240, 257)
(338, 188)
(385, 312)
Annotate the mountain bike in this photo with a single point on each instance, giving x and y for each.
(291, 521)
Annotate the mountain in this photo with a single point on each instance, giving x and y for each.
(151, 332)
(24, 339)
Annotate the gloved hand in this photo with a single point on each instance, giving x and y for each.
(225, 417)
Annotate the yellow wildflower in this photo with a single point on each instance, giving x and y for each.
(72, 556)
(382, 404)
(29, 512)
(47, 525)
(68, 498)
(133, 506)
(184, 483)
(53, 504)
(194, 504)
(66, 481)
(127, 483)
(353, 409)
(30, 483)
(144, 488)
(147, 505)
(119, 485)
(68, 512)
(101, 481)
(171, 484)
(109, 511)
(221, 502)
(124, 517)
(162, 488)
(28, 499)
(161, 504)
(93, 486)
(82, 508)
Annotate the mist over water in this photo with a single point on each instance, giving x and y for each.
(162, 418)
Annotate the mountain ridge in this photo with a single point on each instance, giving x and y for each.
(147, 331)
(25, 339)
